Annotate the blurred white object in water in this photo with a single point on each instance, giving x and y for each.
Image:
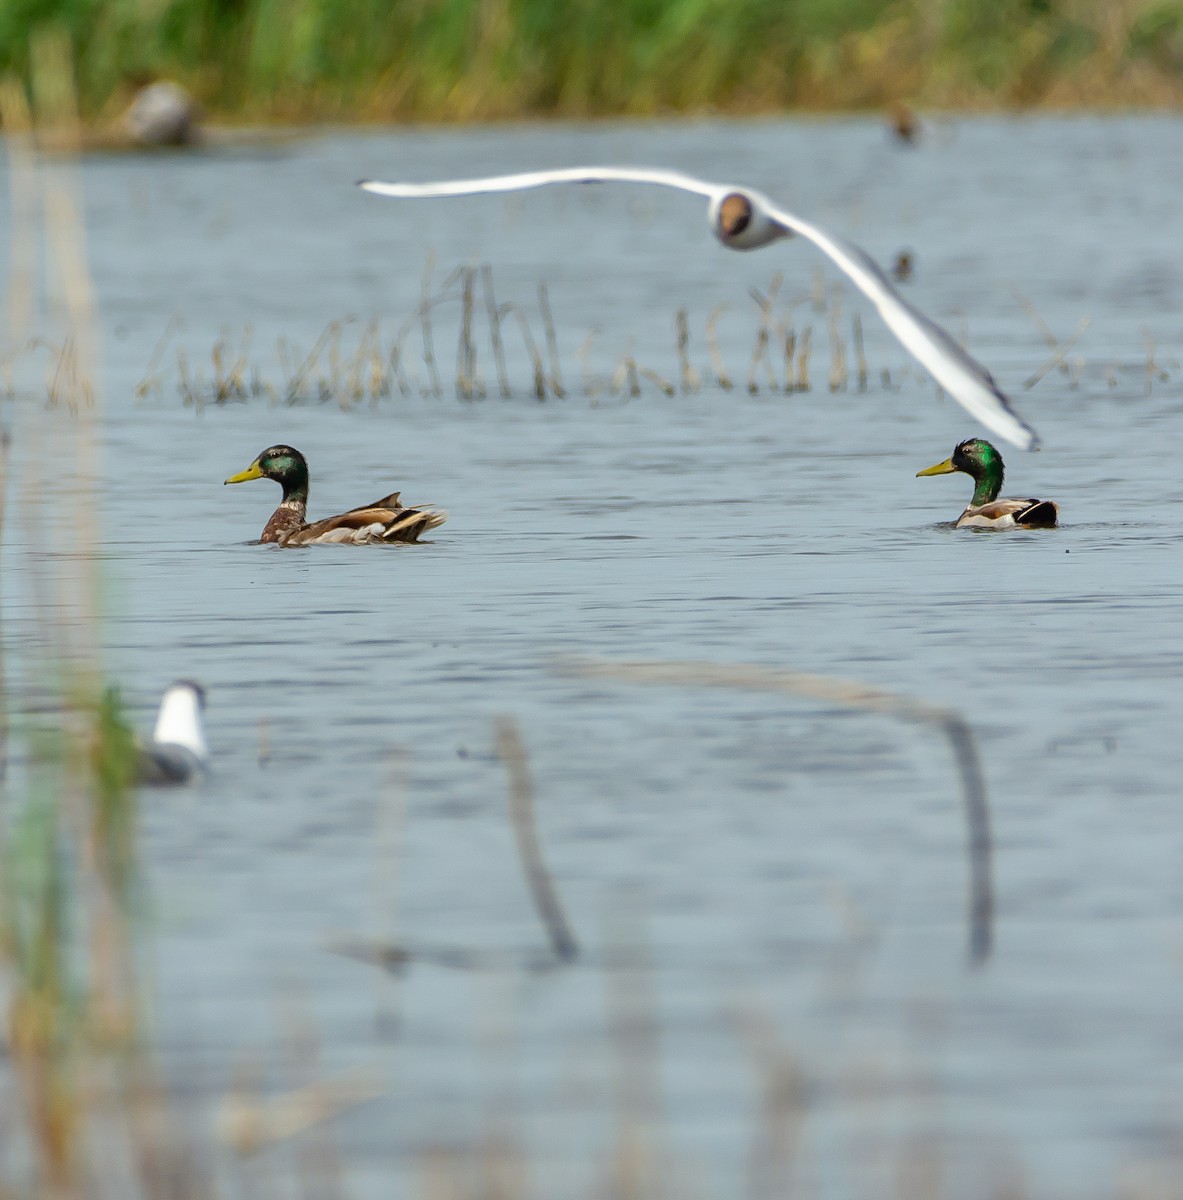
(162, 114)
(177, 752)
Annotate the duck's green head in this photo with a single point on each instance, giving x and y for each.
(977, 458)
(285, 465)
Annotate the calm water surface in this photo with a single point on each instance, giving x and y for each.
(774, 856)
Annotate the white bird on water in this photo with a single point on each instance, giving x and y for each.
(177, 753)
(743, 219)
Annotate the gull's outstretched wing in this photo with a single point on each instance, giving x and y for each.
(962, 376)
(533, 179)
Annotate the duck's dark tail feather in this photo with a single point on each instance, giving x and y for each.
(411, 524)
(1042, 514)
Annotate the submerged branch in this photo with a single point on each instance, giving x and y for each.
(848, 694)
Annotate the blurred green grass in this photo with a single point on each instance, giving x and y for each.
(456, 60)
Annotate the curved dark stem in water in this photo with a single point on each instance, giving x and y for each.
(980, 846)
(512, 752)
(851, 695)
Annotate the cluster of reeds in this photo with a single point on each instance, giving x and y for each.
(486, 59)
(353, 363)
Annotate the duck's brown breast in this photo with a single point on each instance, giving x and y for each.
(285, 520)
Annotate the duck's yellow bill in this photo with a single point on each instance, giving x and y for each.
(252, 472)
(942, 468)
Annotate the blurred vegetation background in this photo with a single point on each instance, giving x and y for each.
(460, 60)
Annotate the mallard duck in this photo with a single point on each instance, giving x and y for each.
(385, 520)
(744, 219)
(978, 458)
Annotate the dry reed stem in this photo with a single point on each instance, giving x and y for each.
(552, 342)
(817, 290)
(1057, 359)
(788, 341)
(1152, 368)
(190, 394)
(690, 379)
(619, 376)
(512, 752)
(631, 376)
(837, 347)
(494, 315)
(757, 354)
(848, 694)
(296, 383)
(425, 326)
(398, 354)
(532, 350)
(379, 377)
(288, 359)
(347, 380)
(216, 359)
(363, 370)
(860, 357)
(465, 351)
(57, 382)
(151, 381)
(662, 384)
(802, 382)
(327, 386)
(395, 358)
(712, 335)
(760, 350)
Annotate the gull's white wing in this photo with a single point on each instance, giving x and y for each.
(963, 377)
(533, 179)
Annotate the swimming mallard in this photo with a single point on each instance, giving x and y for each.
(385, 520)
(978, 458)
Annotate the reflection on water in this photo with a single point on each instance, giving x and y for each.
(772, 855)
